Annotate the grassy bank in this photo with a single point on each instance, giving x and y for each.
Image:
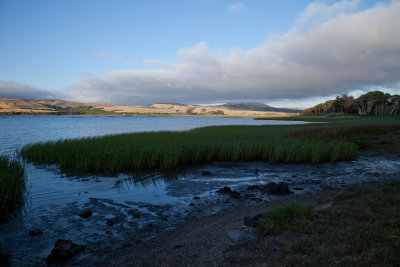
(358, 227)
(170, 150)
(12, 185)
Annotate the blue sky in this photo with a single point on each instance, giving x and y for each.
(138, 52)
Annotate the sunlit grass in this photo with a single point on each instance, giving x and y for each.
(12, 185)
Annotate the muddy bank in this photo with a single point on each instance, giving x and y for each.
(111, 216)
(199, 242)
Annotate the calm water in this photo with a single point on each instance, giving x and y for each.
(20, 130)
(48, 184)
(144, 206)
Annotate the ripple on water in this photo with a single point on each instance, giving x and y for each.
(121, 206)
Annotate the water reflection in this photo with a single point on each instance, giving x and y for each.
(151, 178)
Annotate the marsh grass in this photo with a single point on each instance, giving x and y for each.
(170, 150)
(359, 227)
(12, 185)
(313, 143)
(345, 132)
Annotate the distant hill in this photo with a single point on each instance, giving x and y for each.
(258, 107)
(172, 104)
(17, 106)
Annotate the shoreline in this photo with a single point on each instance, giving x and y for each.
(214, 240)
(124, 235)
(198, 242)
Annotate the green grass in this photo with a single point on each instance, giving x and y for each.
(172, 150)
(362, 228)
(339, 119)
(359, 226)
(12, 185)
(282, 217)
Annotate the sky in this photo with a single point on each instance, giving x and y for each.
(280, 52)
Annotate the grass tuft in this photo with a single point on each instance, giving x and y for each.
(283, 217)
(12, 185)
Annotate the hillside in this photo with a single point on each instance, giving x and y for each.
(17, 106)
(258, 107)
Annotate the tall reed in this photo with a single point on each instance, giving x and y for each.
(12, 185)
(170, 150)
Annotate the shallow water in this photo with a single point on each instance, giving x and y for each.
(127, 209)
(20, 130)
(141, 210)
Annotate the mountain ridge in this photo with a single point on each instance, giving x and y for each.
(258, 107)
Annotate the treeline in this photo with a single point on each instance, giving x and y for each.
(371, 103)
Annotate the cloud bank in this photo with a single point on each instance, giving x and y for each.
(15, 90)
(331, 49)
(345, 50)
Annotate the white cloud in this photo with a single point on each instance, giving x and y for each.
(235, 8)
(319, 11)
(347, 51)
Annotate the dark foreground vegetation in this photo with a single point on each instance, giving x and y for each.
(338, 140)
(12, 186)
(358, 227)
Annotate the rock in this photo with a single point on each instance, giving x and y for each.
(247, 196)
(196, 198)
(298, 188)
(4, 257)
(206, 173)
(35, 232)
(110, 222)
(278, 189)
(63, 251)
(248, 234)
(224, 190)
(86, 213)
(235, 194)
(191, 204)
(4, 260)
(251, 221)
(253, 187)
(256, 199)
(126, 245)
